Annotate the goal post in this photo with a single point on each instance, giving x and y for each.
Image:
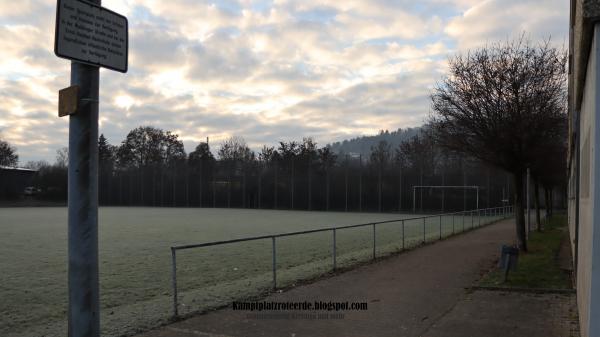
(476, 188)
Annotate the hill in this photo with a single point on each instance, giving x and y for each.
(362, 145)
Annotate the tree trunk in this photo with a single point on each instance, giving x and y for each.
(536, 202)
(519, 211)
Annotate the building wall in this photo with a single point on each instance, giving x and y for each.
(588, 264)
(13, 182)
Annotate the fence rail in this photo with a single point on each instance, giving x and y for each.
(503, 212)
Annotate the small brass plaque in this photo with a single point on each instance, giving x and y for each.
(67, 100)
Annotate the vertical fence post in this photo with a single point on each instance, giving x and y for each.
(440, 227)
(334, 252)
(274, 264)
(403, 235)
(472, 219)
(453, 223)
(174, 280)
(463, 221)
(374, 242)
(479, 217)
(423, 230)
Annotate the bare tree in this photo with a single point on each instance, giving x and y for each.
(8, 154)
(500, 104)
(62, 157)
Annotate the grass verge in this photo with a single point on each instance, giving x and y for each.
(539, 267)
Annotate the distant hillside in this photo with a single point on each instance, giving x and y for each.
(362, 145)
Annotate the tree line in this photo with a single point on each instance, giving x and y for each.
(150, 167)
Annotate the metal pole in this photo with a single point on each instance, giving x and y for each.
(403, 235)
(423, 230)
(334, 252)
(274, 264)
(472, 219)
(83, 283)
(479, 217)
(440, 227)
(463, 221)
(360, 184)
(528, 211)
(452, 224)
(414, 199)
(174, 280)
(374, 242)
(346, 185)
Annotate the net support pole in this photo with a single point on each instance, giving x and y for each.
(274, 251)
(333, 248)
(174, 280)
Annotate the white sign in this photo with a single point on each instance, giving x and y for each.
(91, 34)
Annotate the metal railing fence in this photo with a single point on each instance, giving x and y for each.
(501, 212)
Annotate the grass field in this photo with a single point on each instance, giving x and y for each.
(135, 259)
(540, 266)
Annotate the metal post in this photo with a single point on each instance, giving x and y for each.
(479, 217)
(274, 264)
(472, 216)
(174, 280)
(452, 224)
(414, 199)
(423, 230)
(463, 221)
(403, 235)
(440, 227)
(84, 294)
(374, 242)
(334, 252)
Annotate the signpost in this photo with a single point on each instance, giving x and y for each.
(90, 34)
(92, 37)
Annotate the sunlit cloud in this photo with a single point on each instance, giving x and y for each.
(263, 70)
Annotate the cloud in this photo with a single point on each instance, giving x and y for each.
(494, 20)
(264, 70)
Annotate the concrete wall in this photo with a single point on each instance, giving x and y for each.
(588, 237)
(584, 158)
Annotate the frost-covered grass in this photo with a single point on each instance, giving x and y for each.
(135, 259)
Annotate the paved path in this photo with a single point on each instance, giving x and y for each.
(406, 294)
(507, 314)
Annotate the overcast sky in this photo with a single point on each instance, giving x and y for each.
(263, 70)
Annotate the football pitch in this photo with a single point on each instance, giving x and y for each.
(135, 259)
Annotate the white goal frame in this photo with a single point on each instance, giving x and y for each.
(473, 187)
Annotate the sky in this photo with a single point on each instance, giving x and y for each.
(267, 71)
